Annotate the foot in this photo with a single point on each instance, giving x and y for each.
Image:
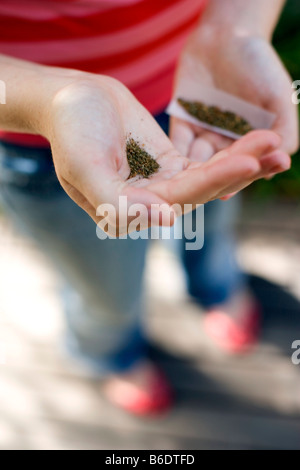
(234, 326)
(143, 390)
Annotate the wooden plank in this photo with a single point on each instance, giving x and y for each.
(42, 399)
(187, 339)
(204, 386)
(70, 436)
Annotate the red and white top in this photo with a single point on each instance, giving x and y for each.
(135, 41)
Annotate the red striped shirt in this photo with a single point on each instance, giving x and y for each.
(135, 41)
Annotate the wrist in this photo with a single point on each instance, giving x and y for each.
(30, 90)
(74, 95)
(214, 35)
(46, 83)
(239, 18)
(211, 45)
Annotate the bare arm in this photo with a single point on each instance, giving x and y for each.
(231, 50)
(243, 17)
(30, 89)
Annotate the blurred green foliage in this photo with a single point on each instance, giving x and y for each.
(287, 43)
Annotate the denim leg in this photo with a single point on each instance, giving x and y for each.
(103, 279)
(213, 274)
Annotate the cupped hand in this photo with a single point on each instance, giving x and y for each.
(245, 66)
(89, 123)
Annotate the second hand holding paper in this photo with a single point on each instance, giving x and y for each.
(257, 117)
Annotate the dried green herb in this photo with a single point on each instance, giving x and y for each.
(140, 162)
(216, 117)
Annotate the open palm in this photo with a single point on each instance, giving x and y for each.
(91, 122)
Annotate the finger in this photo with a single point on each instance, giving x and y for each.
(181, 135)
(201, 150)
(201, 183)
(274, 163)
(205, 146)
(232, 170)
(258, 142)
(270, 176)
(126, 203)
(287, 123)
(228, 196)
(218, 141)
(234, 189)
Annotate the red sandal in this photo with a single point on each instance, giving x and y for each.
(232, 336)
(157, 399)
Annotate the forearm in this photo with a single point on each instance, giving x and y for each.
(30, 89)
(255, 17)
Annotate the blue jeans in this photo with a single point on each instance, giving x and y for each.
(103, 279)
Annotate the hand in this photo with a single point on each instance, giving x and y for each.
(245, 66)
(87, 126)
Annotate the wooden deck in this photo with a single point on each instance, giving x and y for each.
(222, 402)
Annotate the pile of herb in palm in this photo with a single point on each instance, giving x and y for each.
(216, 117)
(140, 162)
